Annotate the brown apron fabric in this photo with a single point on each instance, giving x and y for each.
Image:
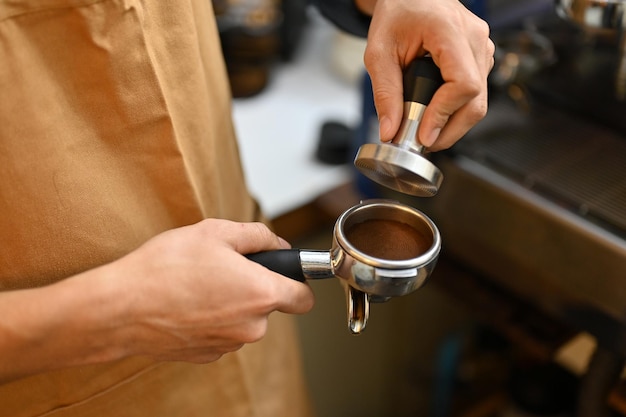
(114, 126)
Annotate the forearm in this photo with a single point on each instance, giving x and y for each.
(74, 322)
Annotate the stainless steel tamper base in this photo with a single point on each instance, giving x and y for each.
(400, 164)
(398, 168)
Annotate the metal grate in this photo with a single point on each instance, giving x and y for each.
(579, 165)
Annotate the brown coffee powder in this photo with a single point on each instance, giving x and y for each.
(387, 239)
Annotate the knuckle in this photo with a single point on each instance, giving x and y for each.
(211, 357)
(374, 54)
(255, 231)
(371, 56)
(482, 28)
(230, 348)
(309, 302)
(491, 47)
(209, 227)
(472, 87)
(261, 230)
(255, 331)
(477, 111)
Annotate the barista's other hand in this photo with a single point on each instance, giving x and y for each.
(459, 43)
(196, 297)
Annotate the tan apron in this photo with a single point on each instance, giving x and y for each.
(114, 126)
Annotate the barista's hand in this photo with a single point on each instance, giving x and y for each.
(196, 297)
(459, 43)
(186, 295)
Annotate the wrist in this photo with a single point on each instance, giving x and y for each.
(92, 315)
(104, 313)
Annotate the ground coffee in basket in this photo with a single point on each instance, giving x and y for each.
(387, 239)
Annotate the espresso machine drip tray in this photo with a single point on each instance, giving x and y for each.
(576, 164)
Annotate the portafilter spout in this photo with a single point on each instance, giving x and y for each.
(401, 164)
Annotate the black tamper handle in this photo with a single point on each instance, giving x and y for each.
(284, 261)
(421, 79)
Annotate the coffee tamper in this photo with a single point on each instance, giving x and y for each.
(401, 164)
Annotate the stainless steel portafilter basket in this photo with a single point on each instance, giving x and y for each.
(401, 164)
(381, 249)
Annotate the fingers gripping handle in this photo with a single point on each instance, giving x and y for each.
(421, 80)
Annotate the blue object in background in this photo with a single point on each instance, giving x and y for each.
(447, 363)
(369, 118)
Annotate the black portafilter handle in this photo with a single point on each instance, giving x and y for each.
(421, 80)
(284, 261)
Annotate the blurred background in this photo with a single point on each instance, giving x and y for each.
(525, 314)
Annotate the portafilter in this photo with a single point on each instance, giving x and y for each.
(381, 249)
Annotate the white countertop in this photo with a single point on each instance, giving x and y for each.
(278, 129)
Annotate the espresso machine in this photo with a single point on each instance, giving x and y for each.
(534, 202)
(572, 55)
(601, 19)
